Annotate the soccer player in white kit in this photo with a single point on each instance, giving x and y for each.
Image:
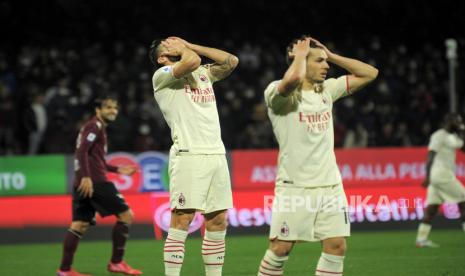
(310, 203)
(441, 182)
(198, 170)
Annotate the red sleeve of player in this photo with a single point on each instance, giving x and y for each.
(87, 138)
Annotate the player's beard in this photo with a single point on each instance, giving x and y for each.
(109, 118)
(174, 58)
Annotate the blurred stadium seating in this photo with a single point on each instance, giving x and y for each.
(71, 51)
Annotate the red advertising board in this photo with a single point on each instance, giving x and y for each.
(252, 209)
(381, 185)
(52, 211)
(254, 169)
(381, 167)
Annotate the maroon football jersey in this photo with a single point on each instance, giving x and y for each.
(91, 148)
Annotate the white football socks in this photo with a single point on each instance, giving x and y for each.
(174, 251)
(330, 265)
(423, 231)
(272, 264)
(213, 252)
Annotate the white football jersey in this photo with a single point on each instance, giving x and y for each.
(189, 107)
(303, 126)
(445, 145)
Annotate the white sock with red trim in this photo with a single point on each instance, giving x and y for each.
(330, 265)
(423, 232)
(174, 251)
(213, 251)
(272, 265)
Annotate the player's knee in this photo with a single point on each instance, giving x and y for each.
(341, 248)
(431, 212)
(126, 217)
(281, 249)
(216, 225)
(182, 220)
(426, 219)
(335, 246)
(217, 222)
(80, 226)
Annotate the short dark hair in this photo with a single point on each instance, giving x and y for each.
(153, 52)
(98, 102)
(289, 47)
(451, 117)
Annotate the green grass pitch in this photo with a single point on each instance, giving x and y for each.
(369, 253)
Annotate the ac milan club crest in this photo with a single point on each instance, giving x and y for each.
(181, 199)
(284, 230)
(203, 78)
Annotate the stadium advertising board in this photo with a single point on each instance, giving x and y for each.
(29, 175)
(382, 185)
(252, 209)
(55, 211)
(152, 173)
(388, 167)
(249, 211)
(151, 176)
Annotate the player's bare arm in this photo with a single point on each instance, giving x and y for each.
(429, 163)
(362, 73)
(222, 69)
(295, 74)
(189, 62)
(127, 170)
(224, 64)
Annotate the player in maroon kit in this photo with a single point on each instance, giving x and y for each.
(94, 193)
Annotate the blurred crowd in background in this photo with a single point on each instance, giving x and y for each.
(57, 56)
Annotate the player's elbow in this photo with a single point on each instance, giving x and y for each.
(194, 62)
(372, 74)
(292, 78)
(368, 77)
(234, 61)
(289, 84)
(186, 66)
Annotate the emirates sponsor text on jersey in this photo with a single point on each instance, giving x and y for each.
(316, 122)
(200, 95)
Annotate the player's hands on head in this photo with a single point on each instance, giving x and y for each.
(301, 47)
(183, 41)
(86, 188)
(173, 47)
(127, 170)
(319, 44)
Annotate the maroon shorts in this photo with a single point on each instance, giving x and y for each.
(106, 200)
